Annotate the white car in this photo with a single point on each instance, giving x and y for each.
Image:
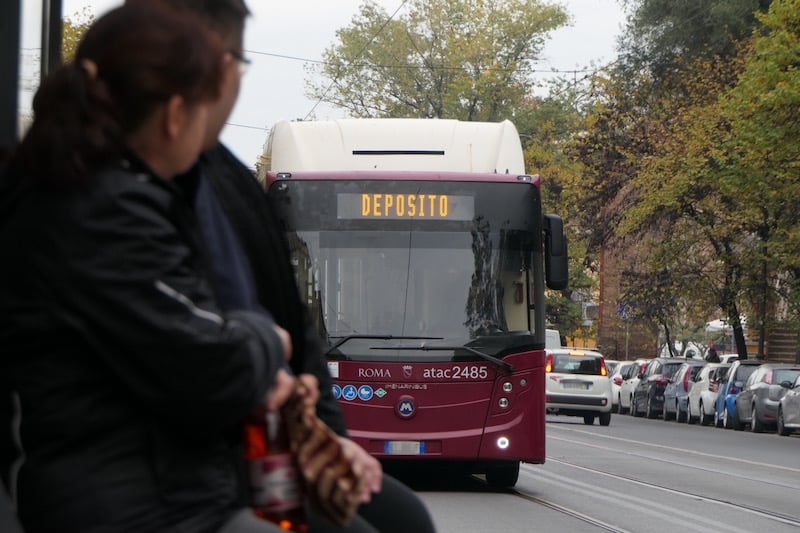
(577, 384)
(703, 394)
(616, 382)
(629, 381)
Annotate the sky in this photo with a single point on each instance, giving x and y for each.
(283, 36)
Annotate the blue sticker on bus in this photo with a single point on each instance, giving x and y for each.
(349, 392)
(365, 392)
(337, 391)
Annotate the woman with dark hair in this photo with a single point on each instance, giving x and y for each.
(91, 111)
(128, 383)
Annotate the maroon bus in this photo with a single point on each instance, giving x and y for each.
(429, 286)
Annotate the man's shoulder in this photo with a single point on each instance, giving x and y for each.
(222, 160)
(233, 183)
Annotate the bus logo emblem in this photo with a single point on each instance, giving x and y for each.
(406, 407)
(407, 371)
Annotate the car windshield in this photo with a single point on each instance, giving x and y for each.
(576, 364)
(670, 369)
(787, 374)
(744, 371)
(722, 373)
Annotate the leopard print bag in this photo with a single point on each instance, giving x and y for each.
(331, 480)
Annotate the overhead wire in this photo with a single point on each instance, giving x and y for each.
(409, 66)
(589, 72)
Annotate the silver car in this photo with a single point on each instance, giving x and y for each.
(789, 410)
(757, 404)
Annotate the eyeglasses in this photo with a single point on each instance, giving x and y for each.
(244, 62)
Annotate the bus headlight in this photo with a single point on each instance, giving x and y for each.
(503, 403)
(507, 386)
(503, 443)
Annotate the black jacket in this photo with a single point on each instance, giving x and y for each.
(264, 241)
(132, 384)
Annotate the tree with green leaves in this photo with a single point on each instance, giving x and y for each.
(728, 172)
(660, 31)
(458, 59)
(73, 30)
(678, 189)
(764, 157)
(547, 124)
(650, 149)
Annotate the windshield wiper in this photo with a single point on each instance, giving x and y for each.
(499, 362)
(347, 338)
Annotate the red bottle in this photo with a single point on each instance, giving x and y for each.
(275, 483)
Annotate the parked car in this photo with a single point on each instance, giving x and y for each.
(789, 410)
(629, 381)
(616, 376)
(577, 384)
(703, 395)
(677, 390)
(718, 381)
(648, 396)
(757, 404)
(734, 381)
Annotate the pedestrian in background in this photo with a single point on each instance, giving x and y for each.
(129, 383)
(712, 356)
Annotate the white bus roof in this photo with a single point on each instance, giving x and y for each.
(395, 144)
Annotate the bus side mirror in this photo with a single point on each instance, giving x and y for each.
(556, 267)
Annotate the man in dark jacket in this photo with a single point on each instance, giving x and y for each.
(393, 507)
(250, 257)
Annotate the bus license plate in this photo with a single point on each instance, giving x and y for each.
(403, 447)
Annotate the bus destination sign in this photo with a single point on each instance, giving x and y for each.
(397, 206)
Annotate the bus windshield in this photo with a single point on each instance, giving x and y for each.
(453, 280)
(401, 283)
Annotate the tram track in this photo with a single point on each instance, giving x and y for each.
(625, 480)
(738, 506)
(625, 503)
(698, 523)
(655, 452)
(569, 512)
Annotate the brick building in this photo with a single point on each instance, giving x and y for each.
(618, 338)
